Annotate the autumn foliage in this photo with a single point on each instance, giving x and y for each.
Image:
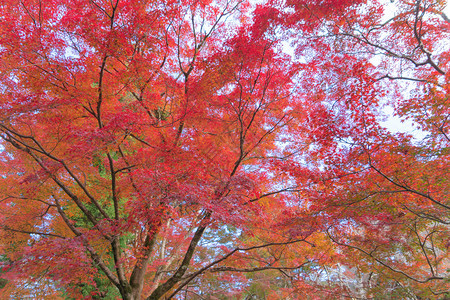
(224, 149)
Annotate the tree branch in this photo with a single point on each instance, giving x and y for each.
(165, 287)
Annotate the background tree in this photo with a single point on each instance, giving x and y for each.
(380, 194)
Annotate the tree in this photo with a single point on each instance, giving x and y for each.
(382, 195)
(159, 149)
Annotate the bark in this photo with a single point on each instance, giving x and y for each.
(169, 284)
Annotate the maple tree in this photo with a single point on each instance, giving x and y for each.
(159, 149)
(384, 195)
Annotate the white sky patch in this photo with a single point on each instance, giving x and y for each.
(396, 125)
(447, 9)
